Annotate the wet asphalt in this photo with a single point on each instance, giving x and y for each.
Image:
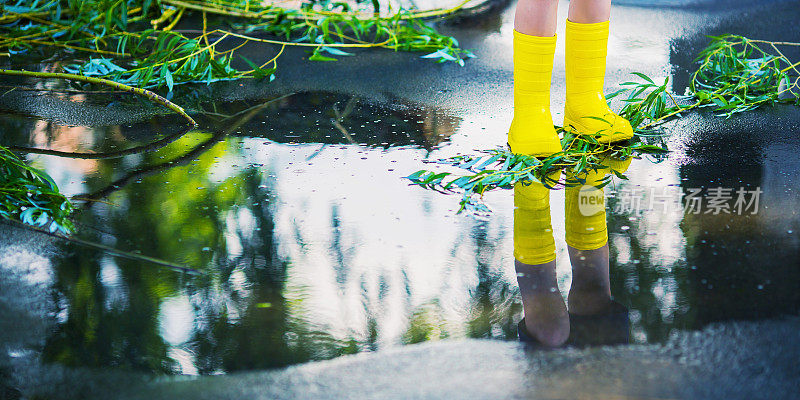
(752, 357)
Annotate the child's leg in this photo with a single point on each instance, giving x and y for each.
(586, 111)
(589, 11)
(536, 17)
(532, 129)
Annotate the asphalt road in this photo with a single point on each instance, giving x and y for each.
(730, 359)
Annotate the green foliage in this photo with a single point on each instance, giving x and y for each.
(734, 75)
(133, 41)
(172, 59)
(334, 24)
(645, 103)
(501, 169)
(737, 75)
(30, 196)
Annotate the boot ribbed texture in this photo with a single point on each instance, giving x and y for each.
(586, 214)
(532, 130)
(586, 48)
(533, 234)
(585, 210)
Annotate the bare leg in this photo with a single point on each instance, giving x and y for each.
(531, 130)
(588, 11)
(590, 292)
(546, 316)
(536, 17)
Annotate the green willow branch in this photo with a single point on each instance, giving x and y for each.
(235, 10)
(31, 196)
(152, 146)
(116, 85)
(133, 42)
(734, 75)
(107, 249)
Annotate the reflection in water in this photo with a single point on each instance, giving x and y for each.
(312, 246)
(684, 269)
(737, 262)
(593, 317)
(210, 200)
(329, 118)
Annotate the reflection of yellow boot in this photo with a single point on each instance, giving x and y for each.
(585, 207)
(586, 47)
(532, 130)
(533, 234)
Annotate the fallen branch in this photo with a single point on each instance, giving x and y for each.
(116, 85)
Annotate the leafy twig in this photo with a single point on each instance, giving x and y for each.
(735, 75)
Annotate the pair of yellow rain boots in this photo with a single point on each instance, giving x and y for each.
(586, 111)
(585, 213)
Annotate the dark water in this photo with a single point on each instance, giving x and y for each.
(311, 246)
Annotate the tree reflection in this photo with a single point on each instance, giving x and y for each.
(180, 203)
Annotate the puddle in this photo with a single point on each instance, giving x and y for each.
(312, 246)
(282, 218)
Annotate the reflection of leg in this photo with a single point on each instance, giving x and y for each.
(595, 319)
(587, 239)
(590, 292)
(546, 316)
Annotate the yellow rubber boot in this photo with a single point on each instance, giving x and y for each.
(586, 48)
(533, 234)
(532, 130)
(585, 207)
